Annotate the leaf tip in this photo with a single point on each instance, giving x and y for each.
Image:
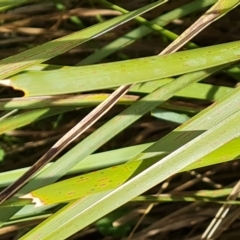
(35, 200)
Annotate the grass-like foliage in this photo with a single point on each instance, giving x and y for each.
(158, 141)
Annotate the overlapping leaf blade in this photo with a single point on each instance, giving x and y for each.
(21, 61)
(159, 171)
(125, 72)
(152, 152)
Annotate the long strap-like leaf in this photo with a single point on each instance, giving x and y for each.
(14, 64)
(211, 15)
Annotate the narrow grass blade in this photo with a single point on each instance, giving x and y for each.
(228, 152)
(19, 62)
(196, 90)
(199, 196)
(109, 130)
(125, 72)
(119, 122)
(218, 112)
(23, 119)
(234, 72)
(172, 198)
(142, 31)
(111, 178)
(7, 4)
(170, 116)
(174, 162)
